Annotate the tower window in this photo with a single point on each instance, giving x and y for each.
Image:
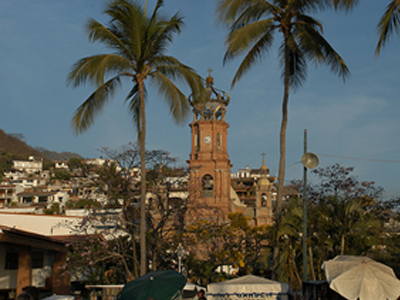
(196, 139)
(263, 200)
(207, 185)
(218, 141)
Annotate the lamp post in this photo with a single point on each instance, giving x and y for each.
(180, 251)
(310, 161)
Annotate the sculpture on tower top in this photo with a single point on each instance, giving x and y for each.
(214, 106)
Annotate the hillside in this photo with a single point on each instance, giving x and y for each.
(13, 147)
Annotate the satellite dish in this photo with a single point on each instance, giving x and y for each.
(310, 160)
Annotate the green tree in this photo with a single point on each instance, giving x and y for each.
(289, 237)
(253, 24)
(6, 159)
(342, 216)
(342, 219)
(389, 22)
(61, 174)
(139, 45)
(345, 220)
(75, 163)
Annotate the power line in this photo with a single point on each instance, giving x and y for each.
(344, 157)
(364, 159)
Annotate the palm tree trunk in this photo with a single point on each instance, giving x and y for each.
(282, 159)
(143, 256)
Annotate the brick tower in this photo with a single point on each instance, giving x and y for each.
(209, 164)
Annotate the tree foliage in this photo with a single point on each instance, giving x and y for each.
(342, 220)
(389, 23)
(117, 220)
(232, 245)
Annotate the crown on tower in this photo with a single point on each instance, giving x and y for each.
(213, 107)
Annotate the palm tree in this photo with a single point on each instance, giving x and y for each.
(138, 45)
(253, 24)
(342, 220)
(389, 21)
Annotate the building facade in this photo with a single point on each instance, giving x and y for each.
(209, 164)
(210, 178)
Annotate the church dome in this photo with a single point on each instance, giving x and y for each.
(263, 183)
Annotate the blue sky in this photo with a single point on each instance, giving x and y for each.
(354, 123)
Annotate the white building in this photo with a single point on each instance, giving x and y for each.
(30, 166)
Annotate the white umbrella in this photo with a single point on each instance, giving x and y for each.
(359, 277)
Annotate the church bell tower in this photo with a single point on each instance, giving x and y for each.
(209, 164)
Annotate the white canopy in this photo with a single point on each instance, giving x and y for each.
(59, 297)
(248, 286)
(191, 287)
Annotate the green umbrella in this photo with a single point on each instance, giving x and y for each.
(157, 285)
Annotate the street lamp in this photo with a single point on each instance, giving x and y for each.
(180, 251)
(309, 161)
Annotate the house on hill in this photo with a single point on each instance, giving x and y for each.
(30, 166)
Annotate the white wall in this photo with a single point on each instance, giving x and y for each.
(41, 224)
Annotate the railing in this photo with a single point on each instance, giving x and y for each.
(207, 193)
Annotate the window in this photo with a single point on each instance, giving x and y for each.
(208, 183)
(263, 200)
(207, 186)
(27, 199)
(218, 141)
(37, 259)
(11, 262)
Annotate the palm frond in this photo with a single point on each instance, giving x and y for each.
(86, 113)
(97, 32)
(389, 21)
(229, 11)
(343, 4)
(253, 13)
(257, 36)
(94, 69)
(175, 99)
(133, 102)
(295, 60)
(129, 24)
(155, 17)
(173, 68)
(317, 48)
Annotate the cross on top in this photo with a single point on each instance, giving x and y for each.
(263, 155)
(209, 71)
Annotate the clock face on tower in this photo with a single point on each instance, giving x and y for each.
(207, 139)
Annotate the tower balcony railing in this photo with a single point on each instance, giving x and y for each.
(207, 193)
